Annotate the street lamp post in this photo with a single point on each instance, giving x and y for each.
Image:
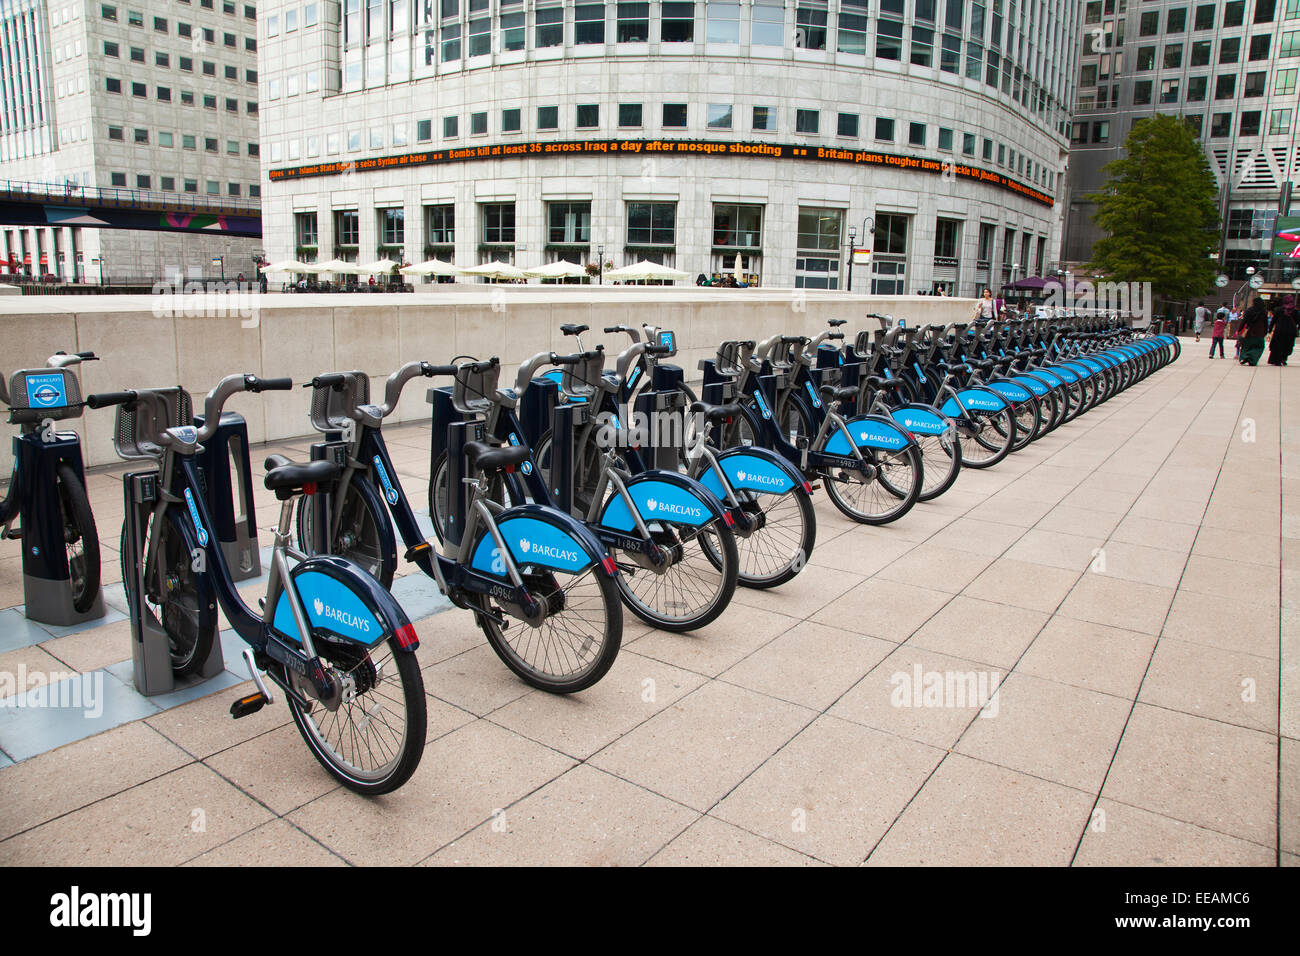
(1250, 271)
(600, 262)
(868, 228)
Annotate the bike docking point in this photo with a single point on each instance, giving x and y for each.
(40, 397)
(224, 464)
(150, 647)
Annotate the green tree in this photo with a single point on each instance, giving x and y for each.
(1160, 211)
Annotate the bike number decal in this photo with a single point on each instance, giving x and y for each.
(198, 523)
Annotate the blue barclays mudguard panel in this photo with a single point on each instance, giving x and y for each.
(1011, 391)
(868, 431)
(1064, 373)
(46, 390)
(1034, 385)
(531, 541)
(975, 400)
(750, 469)
(337, 599)
(1051, 377)
(659, 498)
(920, 420)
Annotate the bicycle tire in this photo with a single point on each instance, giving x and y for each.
(764, 561)
(837, 486)
(980, 451)
(188, 616)
(371, 676)
(946, 458)
(558, 636)
(79, 528)
(721, 557)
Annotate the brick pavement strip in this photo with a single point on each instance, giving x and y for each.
(1141, 709)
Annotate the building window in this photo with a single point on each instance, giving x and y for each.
(117, 179)
(548, 117)
(764, 119)
(440, 225)
(947, 233)
(852, 36)
(810, 25)
(818, 232)
(1256, 84)
(916, 134)
(1225, 87)
(588, 23)
(722, 22)
(112, 84)
(392, 227)
(889, 255)
(1286, 81)
(1221, 126)
(737, 227)
(889, 40)
(450, 127)
(347, 228)
(107, 12)
(719, 116)
(633, 23)
(569, 223)
(629, 115)
(480, 33)
(588, 115)
(140, 89)
(806, 121)
(1176, 21)
(115, 132)
(549, 27)
(674, 115)
(1205, 17)
(847, 125)
(651, 224)
(678, 23)
(514, 31)
(923, 47)
(1230, 50)
(478, 125)
(1142, 93)
(423, 131)
(110, 49)
(968, 144)
(510, 121)
(885, 131)
(768, 24)
(499, 223)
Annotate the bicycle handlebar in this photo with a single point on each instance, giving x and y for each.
(107, 399)
(229, 386)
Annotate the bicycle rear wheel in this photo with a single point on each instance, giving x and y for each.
(989, 438)
(80, 539)
(779, 549)
(373, 741)
(358, 538)
(940, 464)
(695, 587)
(180, 599)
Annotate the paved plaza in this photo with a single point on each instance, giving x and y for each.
(1088, 655)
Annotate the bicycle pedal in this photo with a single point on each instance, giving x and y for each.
(248, 705)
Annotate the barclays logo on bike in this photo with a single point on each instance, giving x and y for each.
(891, 441)
(341, 617)
(757, 479)
(680, 511)
(546, 551)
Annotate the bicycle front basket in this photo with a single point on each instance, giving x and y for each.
(728, 360)
(580, 381)
(156, 410)
(474, 389)
(40, 393)
(331, 409)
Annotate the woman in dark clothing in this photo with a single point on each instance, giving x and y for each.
(1284, 331)
(1254, 328)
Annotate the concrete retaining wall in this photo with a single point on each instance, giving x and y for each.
(142, 345)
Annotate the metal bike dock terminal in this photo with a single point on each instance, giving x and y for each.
(224, 464)
(150, 646)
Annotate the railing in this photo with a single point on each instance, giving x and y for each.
(123, 198)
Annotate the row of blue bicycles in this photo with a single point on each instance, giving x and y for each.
(584, 489)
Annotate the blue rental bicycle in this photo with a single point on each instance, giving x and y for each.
(542, 587)
(327, 634)
(870, 465)
(63, 552)
(670, 536)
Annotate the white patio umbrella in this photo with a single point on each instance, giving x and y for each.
(378, 267)
(558, 270)
(434, 267)
(288, 265)
(338, 267)
(495, 270)
(645, 270)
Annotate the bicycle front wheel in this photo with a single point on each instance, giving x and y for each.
(695, 587)
(180, 599)
(578, 639)
(883, 497)
(781, 546)
(988, 439)
(80, 538)
(940, 464)
(358, 537)
(373, 742)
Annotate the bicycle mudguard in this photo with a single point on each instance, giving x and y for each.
(662, 496)
(1067, 375)
(921, 419)
(973, 399)
(1034, 385)
(341, 599)
(1011, 391)
(752, 469)
(540, 536)
(869, 431)
(1054, 380)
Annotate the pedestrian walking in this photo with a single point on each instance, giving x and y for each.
(1282, 338)
(1217, 333)
(1198, 320)
(1254, 326)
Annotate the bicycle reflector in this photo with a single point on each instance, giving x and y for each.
(407, 639)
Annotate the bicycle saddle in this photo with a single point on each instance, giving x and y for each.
(833, 393)
(286, 477)
(483, 457)
(715, 413)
